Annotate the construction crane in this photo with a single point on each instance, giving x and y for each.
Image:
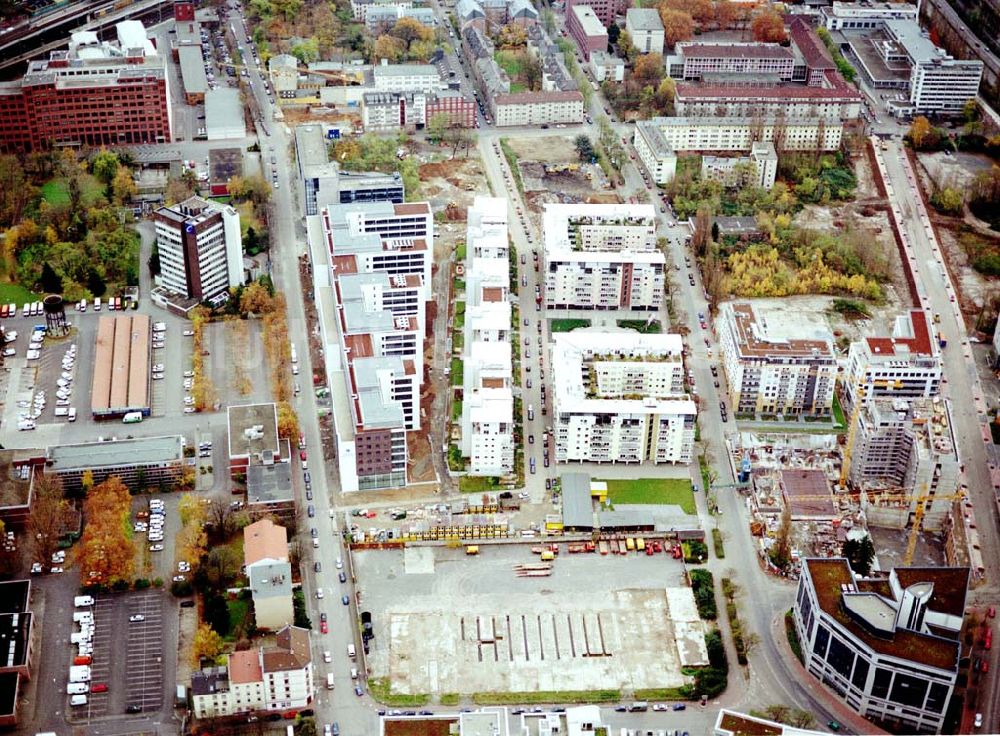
(891, 495)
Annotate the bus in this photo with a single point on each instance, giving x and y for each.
(133, 417)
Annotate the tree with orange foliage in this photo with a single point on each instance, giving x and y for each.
(726, 14)
(389, 48)
(288, 421)
(677, 25)
(648, 69)
(700, 10)
(107, 553)
(768, 26)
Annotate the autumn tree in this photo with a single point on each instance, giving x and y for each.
(288, 422)
(780, 553)
(106, 553)
(677, 25)
(192, 541)
(768, 26)
(16, 192)
(221, 566)
(105, 166)
(920, 132)
(178, 189)
(409, 30)
(255, 299)
(648, 69)
(123, 187)
(699, 10)
(626, 46)
(50, 512)
(207, 644)
(727, 14)
(512, 36)
(389, 48)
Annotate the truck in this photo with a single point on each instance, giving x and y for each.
(83, 600)
(329, 681)
(132, 417)
(79, 673)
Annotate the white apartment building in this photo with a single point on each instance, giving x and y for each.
(200, 247)
(887, 645)
(607, 66)
(602, 256)
(265, 560)
(905, 446)
(488, 377)
(645, 29)
(406, 77)
(831, 99)
(694, 60)
(619, 398)
(396, 239)
(758, 169)
(771, 373)
(906, 364)
(739, 134)
(538, 108)
(265, 679)
(655, 152)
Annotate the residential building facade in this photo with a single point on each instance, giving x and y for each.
(759, 169)
(606, 10)
(488, 399)
(93, 94)
(200, 247)
(538, 108)
(770, 374)
(265, 559)
(414, 110)
(619, 398)
(906, 364)
(695, 60)
(739, 134)
(406, 77)
(887, 645)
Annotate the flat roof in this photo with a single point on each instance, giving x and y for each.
(121, 365)
(911, 335)
(730, 50)
(752, 338)
(223, 109)
(225, 163)
(577, 503)
(137, 451)
(589, 21)
(310, 149)
(192, 70)
(644, 19)
(253, 429)
(16, 477)
(268, 484)
(801, 489)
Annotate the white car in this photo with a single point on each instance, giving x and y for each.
(158, 368)
(157, 376)
(188, 333)
(36, 568)
(189, 410)
(327, 657)
(156, 548)
(319, 592)
(179, 578)
(136, 618)
(56, 569)
(189, 374)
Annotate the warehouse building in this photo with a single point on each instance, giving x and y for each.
(140, 463)
(121, 367)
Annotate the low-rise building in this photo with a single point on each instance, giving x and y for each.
(253, 437)
(381, 18)
(406, 77)
(888, 645)
(905, 447)
(697, 60)
(759, 169)
(586, 29)
(17, 640)
(864, 16)
(619, 398)
(265, 560)
(769, 373)
(283, 70)
(607, 67)
(224, 115)
(906, 364)
(645, 29)
(538, 108)
(733, 723)
(414, 110)
(17, 485)
(140, 463)
(267, 679)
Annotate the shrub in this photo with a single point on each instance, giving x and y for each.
(157, 582)
(703, 586)
(141, 584)
(181, 588)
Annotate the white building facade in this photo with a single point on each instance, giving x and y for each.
(619, 398)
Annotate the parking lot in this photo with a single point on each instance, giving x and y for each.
(442, 626)
(138, 645)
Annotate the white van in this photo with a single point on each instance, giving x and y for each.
(80, 637)
(83, 600)
(80, 617)
(97, 304)
(62, 411)
(77, 688)
(78, 700)
(79, 673)
(329, 681)
(351, 651)
(72, 414)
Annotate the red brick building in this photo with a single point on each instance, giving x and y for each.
(587, 30)
(92, 98)
(606, 10)
(460, 110)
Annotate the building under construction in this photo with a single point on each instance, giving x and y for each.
(121, 367)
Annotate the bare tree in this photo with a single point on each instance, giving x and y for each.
(50, 512)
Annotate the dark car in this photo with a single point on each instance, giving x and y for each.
(679, 706)
(621, 709)
(306, 477)
(317, 567)
(314, 532)
(187, 604)
(343, 576)
(133, 708)
(358, 691)
(309, 495)
(346, 600)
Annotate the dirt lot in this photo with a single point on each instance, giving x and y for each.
(442, 627)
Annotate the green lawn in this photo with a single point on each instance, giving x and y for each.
(567, 325)
(510, 62)
(477, 483)
(56, 191)
(16, 294)
(675, 491)
(516, 87)
(238, 610)
(457, 372)
(460, 251)
(456, 410)
(838, 412)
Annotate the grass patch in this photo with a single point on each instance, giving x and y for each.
(706, 473)
(449, 698)
(516, 87)
(456, 410)
(478, 483)
(511, 62)
(567, 325)
(640, 325)
(838, 412)
(457, 372)
(56, 191)
(717, 544)
(730, 592)
(381, 690)
(460, 250)
(458, 285)
(238, 610)
(662, 693)
(676, 491)
(16, 294)
(548, 696)
(793, 637)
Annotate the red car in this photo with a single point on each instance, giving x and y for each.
(323, 628)
(99, 688)
(302, 456)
